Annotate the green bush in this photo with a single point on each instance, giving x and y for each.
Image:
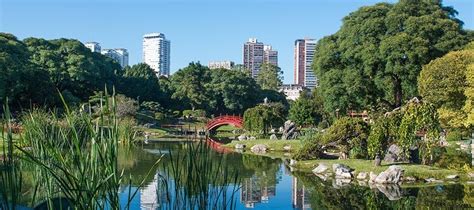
(311, 149)
(454, 135)
(453, 159)
(350, 136)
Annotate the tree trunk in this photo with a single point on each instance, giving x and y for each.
(397, 91)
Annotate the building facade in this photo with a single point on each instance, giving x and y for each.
(269, 55)
(119, 54)
(253, 56)
(292, 91)
(93, 46)
(156, 53)
(221, 65)
(304, 55)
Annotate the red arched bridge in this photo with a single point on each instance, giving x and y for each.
(219, 121)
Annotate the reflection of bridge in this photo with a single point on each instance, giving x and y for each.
(217, 122)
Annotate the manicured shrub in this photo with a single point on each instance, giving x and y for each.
(350, 136)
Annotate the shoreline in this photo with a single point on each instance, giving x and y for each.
(420, 172)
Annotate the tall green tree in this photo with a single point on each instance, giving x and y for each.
(375, 57)
(141, 83)
(189, 86)
(232, 91)
(21, 81)
(269, 77)
(443, 83)
(304, 111)
(72, 67)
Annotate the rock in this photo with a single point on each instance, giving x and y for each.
(362, 176)
(372, 177)
(392, 175)
(454, 176)
(377, 160)
(409, 179)
(273, 130)
(320, 169)
(289, 130)
(362, 183)
(394, 154)
(342, 171)
(242, 137)
(259, 148)
(273, 137)
(287, 148)
(239, 146)
(252, 138)
(433, 180)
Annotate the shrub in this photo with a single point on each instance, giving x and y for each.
(349, 135)
(452, 159)
(454, 135)
(311, 149)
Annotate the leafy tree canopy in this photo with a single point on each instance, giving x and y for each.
(375, 57)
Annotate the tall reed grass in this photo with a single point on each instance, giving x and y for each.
(10, 173)
(194, 179)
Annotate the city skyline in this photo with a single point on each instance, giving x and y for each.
(201, 31)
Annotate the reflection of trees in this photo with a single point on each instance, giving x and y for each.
(325, 196)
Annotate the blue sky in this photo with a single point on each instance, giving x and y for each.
(199, 30)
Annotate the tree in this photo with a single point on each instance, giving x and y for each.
(232, 91)
(72, 67)
(443, 82)
(264, 116)
(269, 77)
(189, 86)
(140, 82)
(304, 111)
(469, 93)
(349, 135)
(22, 82)
(375, 57)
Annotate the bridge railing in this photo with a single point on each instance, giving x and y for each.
(224, 118)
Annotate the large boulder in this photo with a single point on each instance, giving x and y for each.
(322, 168)
(342, 171)
(394, 154)
(289, 130)
(392, 175)
(259, 148)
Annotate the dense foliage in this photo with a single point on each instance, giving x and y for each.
(349, 135)
(307, 110)
(263, 117)
(269, 77)
(375, 57)
(443, 82)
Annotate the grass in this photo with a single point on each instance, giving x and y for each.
(413, 170)
(273, 145)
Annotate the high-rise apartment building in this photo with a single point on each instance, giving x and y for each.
(221, 65)
(270, 55)
(119, 54)
(156, 53)
(304, 55)
(93, 46)
(253, 56)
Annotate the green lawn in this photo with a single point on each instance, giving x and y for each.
(273, 145)
(414, 170)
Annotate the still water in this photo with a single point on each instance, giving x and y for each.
(266, 183)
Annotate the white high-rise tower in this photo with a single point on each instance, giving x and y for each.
(156, 53)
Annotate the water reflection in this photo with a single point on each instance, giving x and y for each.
(266, 184)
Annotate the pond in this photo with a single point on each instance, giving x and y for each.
(264, 183)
